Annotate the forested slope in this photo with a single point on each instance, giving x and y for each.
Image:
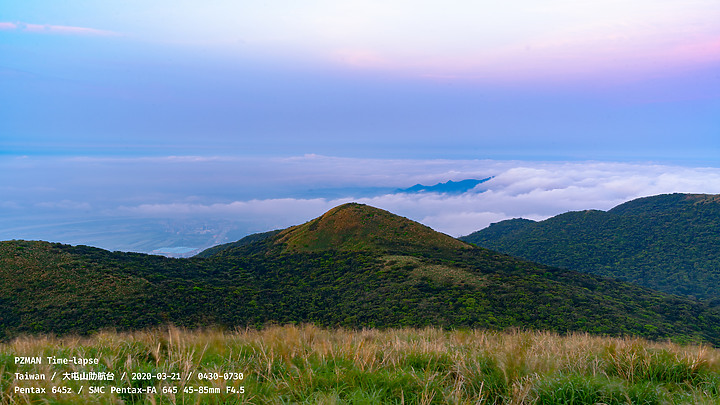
(668, 242)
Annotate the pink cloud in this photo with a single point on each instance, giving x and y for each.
(598, 52)
(703, 51)
(54, 29)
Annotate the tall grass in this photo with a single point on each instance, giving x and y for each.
(307, 364)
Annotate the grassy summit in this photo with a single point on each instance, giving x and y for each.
(355, 227)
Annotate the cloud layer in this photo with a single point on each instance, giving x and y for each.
(106, 201)
(528, 190)
(53, 29)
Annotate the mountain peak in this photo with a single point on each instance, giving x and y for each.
(355, 227)
(449, 187)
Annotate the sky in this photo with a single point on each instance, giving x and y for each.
(138, 125)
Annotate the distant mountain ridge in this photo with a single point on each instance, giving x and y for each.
(667, 242)
(355, 266)
(449, 187)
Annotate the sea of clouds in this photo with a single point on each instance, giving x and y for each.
(258, 194)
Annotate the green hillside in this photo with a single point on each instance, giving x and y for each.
(48, 287)
(668, 242)
(358, 227)
(356, 266)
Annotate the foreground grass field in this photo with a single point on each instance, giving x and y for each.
(306, 364)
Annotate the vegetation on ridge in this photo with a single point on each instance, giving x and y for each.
(376, 277)
(669, 243)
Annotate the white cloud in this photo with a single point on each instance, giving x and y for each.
(260, 194)
(65, 205)
(54, 29)
(528, 190)
(10, 205)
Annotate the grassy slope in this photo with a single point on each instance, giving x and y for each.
(379, 276)
(668, 242)
(306, 364)
(358, 227)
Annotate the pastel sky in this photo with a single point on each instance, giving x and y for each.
(105, 97)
